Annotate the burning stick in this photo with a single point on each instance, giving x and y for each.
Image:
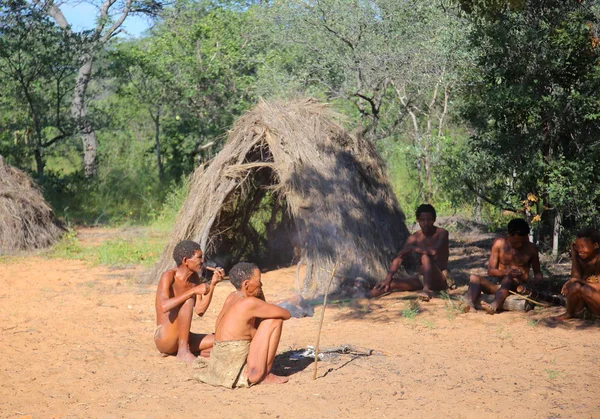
(323, 317)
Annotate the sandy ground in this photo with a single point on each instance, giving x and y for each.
(76, 342)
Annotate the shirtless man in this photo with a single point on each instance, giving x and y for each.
(431, 244)
(179, 293)
(511, 258)
(247, 334)
(583, 288)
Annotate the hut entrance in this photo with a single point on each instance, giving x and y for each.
(254, 222)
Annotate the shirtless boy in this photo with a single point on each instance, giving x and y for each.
(179, 293)
(247, 333)
(583, 288)
(511, 258)
(431, 244)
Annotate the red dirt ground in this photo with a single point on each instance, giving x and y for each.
(76, 342)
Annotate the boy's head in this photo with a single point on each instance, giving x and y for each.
(247, 276)
(518, 232)
(587, 243)
(425, 217)
(186, 249)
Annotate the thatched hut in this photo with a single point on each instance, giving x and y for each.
(292, 186)
(26, 220)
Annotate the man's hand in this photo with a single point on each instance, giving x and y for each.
(515, 273)
(218, 275)
(201, 289)
(537, 278)
(565, 288)
(384, 286)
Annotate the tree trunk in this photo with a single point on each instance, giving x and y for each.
(157, 145)
(79, 112)
(556, 234)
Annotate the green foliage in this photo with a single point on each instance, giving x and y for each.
(37, 63)
(143, 247)
(534, 106)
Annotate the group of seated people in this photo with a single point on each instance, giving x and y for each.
(248, 329)
(511, 259)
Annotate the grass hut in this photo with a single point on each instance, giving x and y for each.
(26, 220)
(292, 186)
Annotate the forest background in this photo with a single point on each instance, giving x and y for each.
(484, 108)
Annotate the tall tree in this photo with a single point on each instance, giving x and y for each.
(36, 67)
(535, 107)
(111, 16)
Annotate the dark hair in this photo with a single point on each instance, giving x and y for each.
(589, 233)
(425, 208)
(185, 249)
(241, 272)
(518, 227)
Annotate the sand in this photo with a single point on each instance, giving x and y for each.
(76, 341)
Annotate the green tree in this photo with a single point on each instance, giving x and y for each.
(37, 61)
(533, 101)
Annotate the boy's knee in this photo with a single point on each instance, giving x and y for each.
(474, 279)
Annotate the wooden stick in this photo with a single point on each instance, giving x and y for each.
(529, 299)
(322, 318)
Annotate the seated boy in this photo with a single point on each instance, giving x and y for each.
(179, 292)
(582, 289)
(511, 258)
(431, 244)
(247, 334)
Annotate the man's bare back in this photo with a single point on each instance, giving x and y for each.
(246, 316)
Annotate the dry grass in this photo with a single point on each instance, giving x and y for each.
(292, 185)
(26, 220)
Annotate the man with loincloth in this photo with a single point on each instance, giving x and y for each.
(247, 334)
(431, 245)
(510, 260)
(583, 288)
(179, 293)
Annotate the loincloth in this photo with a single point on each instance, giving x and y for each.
(449, 281)
(225, 367)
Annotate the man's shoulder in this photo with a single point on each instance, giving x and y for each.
(168, 275)
(441, 231)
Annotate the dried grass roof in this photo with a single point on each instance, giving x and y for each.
(316, 186)
(26, 220)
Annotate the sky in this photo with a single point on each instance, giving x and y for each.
(83, 15)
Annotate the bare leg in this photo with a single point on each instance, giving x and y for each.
(433, 278)
(172, 336)
(262, 352)
(506, 285)
(579, 295)
(201, 344)
(184, 320)
(410, 283)
(477, 284)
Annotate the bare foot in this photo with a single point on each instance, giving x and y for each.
(186, 357)
(560, 318)
(489, 308)
(424, 295)
(274, 379)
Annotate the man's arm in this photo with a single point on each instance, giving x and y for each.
(258, 308)
(576, 270)
(203, 302)
(164, 287)
(408, 248)
(494, 260)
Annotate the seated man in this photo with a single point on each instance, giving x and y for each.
(179, 292)
(583, 289)
(511, 258)
(247, 334)
(431, 244)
